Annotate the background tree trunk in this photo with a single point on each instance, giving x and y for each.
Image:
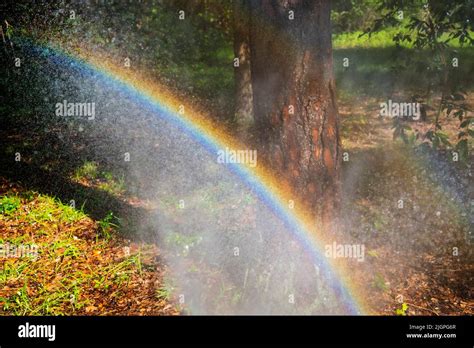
(243, 82)
(294, 98)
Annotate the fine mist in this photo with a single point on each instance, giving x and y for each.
(227, 248)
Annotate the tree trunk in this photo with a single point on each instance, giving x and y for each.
(294, 98)
(243, 84)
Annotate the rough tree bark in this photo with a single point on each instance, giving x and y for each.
(294, 98)
(243, 83)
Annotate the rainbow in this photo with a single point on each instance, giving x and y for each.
(194, 123)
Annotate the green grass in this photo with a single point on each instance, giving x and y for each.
(90, 171)
(9, 204)
(381, 39)
(68, 271)
(112, 185)
(63, 295)
(116, 274)
(48, 209)
(165, 292)
(107, 224)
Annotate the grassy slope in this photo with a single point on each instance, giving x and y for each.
(83, 267)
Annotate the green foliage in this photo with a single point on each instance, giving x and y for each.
(69, 213)
(9, 204)
(352, 15)
(47, 209)
(107, 224)
(402, 310)
(165, 292)
(354, 39)
(193, 56)
(41, 208)
(89, 170)
(432, 27)
(105, 180)
(386, 38)
(112, 185)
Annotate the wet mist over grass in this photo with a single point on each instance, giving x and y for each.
(227, 249)
(383, 72)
